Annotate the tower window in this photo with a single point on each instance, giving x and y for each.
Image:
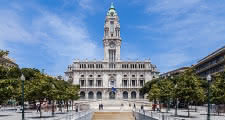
(111, 26)
(112, 13)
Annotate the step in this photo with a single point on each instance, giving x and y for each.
(113, 116)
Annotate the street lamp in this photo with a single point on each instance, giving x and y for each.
(209, 78)
(22, 79)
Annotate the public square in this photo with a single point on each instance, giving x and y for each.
(112, 60)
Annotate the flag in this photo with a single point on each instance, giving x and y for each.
(113, 89)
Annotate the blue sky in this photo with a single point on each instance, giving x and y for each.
(50, 34)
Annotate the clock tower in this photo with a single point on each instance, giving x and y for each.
(112, 40)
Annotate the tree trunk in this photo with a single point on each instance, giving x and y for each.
(188, 110)
(67, 106)
(167, 106)
(40, 108)
(61, 106)
(72, 105)
(160, 106)
(195, 107)
(53, 108)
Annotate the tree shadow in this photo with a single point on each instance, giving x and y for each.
(213, 114)
(38, 117)
(183, 116)
(5, 115)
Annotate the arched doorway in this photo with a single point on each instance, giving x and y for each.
(125, 95)
(133, 95)
(99, 95)
(141, 95)
(82, 95)
(112, 95)
(90, 95)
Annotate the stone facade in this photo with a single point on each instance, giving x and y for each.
(111, 78)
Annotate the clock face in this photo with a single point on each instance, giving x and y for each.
(112, 44)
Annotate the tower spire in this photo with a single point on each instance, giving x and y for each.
(112, 6)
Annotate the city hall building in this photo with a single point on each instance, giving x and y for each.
(111, 78)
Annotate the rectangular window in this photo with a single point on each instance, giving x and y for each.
(90, 83)
(133, 82)
(99, 83)
(141, 82)
(125, 83)
(82, 83)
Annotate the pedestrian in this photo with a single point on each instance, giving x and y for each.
(102, 106)
(76, 108)
(157, 107)
(38, 108)
(142, 107)
(99, 106)
(134, 106)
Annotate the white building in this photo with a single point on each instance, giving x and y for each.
(111, 78)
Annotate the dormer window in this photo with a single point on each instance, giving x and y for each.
(90, 75)
(133, 75)
(82, 76)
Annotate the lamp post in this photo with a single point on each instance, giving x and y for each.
(22, 79)
(209, 78)
(176, 102)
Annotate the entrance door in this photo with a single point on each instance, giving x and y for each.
(112, 95)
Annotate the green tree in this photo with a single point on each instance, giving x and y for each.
(166, 91)
(189, 88)
(7, 89)
(3, 52)
(14, 72)
(218, 90)
(148, 85)
(38, 89)
(30, 73)
(3, 72)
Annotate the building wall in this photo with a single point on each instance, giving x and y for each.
(118, 74)
(211, 64)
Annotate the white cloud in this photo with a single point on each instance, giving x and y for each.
(172, 7)
(188, 28)
(62, 39)
(11, 29)
(67, 37)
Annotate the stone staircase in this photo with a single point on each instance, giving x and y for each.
(113, 116)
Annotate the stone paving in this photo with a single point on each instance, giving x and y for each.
(201, 114)
(34, 115)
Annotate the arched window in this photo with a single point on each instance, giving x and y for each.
(125, 95)
(82, 95)
(133, 95)
(90, 95)
(99, 95)
(112, 95)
